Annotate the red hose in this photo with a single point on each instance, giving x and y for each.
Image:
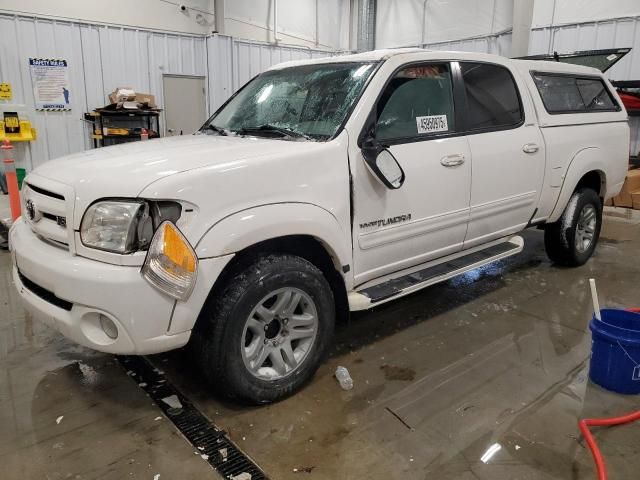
(593, 446)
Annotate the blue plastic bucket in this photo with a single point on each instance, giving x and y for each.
(615, 351)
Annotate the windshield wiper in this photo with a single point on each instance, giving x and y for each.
(271, 129)
(217, 129)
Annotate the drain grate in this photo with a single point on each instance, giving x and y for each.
(212, 442)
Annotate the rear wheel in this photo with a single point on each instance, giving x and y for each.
(572, 239)
(266, 331)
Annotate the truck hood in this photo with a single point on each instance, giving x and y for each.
(125, 170)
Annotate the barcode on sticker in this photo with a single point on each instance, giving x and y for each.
(432, 123)
(636, 373)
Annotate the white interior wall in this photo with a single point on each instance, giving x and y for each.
(499, 44)
(298, 23)
(151, 14)
(559, 12)
(407, 23)
(254, 20)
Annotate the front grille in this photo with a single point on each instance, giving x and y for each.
(47, 193)
(61, 221)
(44, 294)
(46, 213)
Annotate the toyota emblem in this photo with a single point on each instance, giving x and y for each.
(31, 210)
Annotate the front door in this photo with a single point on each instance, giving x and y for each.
(427, 216)
(508, 153)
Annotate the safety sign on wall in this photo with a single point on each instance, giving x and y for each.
(5, 91)
(50, 78)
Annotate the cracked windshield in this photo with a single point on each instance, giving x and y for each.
(305, 102)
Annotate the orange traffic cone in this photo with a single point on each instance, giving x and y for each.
(12, 178)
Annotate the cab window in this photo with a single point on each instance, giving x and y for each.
(417, 102)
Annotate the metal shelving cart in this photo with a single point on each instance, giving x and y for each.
(110, 127)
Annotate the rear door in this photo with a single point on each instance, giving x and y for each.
(507, 148)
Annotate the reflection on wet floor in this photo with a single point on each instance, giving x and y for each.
(482, 377)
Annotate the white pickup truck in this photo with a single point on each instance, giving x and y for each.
(321, 187)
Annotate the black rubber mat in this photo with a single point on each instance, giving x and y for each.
(209, 440)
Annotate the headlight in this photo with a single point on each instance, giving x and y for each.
(125, 226)
(111, 225)
(171, 264)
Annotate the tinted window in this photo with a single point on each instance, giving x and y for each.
(417, 101)
(492, 96)
(595, 95)
(567, 94)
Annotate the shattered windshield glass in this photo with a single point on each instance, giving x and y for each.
(303, 102)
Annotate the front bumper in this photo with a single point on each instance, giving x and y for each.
(69, 293)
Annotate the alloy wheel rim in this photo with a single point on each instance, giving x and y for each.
(279, 333)
(586, 228)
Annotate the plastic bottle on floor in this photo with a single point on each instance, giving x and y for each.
(344, 379)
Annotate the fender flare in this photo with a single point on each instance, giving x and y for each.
(248, 227)
(584, 161)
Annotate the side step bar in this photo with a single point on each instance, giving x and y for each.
(404, 285)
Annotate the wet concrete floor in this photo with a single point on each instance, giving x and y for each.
(481, 377)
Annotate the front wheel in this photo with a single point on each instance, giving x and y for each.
(572, 239)
(266, 331)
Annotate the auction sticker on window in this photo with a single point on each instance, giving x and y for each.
(432, 124)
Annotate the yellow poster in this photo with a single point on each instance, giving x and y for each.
(5, 91)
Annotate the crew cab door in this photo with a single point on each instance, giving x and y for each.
(507, 150)
(416, 118)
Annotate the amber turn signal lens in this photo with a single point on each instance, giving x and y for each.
(171, 264)
(177, 250)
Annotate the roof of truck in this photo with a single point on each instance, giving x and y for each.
(384, 54)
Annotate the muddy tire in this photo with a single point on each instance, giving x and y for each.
(573, 238)
(262, 335)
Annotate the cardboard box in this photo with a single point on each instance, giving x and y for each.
(632, 182)
(623, 200)
(631, 185)
(146, 99)
(635, 199)
(122, 94)
(608, 203)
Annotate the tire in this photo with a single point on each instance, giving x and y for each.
(231, 324)
(566, 241)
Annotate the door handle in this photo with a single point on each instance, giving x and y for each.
(452, 160)
(530, 148)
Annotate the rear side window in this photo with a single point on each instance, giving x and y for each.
(417, 102)
(492, 97)
(569, 94)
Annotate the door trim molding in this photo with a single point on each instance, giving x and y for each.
(416, 228)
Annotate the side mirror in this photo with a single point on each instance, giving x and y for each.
(382, 164)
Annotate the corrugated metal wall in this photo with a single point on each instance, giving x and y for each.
(100, 58)
(232, 62)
